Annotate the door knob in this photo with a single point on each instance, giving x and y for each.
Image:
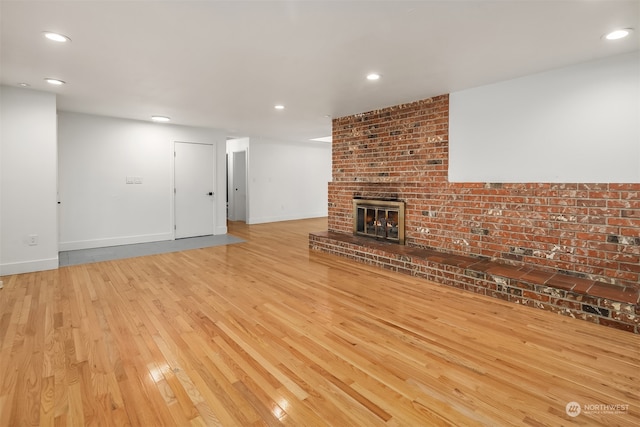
(210, 193)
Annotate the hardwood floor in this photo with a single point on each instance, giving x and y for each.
(267, 333)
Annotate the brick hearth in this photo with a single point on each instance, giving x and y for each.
(594, 301)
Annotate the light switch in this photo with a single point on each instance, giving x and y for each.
(137, 180)
(129, 180)
(32, 239)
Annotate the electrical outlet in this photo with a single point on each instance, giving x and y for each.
(32, 239)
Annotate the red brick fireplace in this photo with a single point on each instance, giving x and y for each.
(586, 231)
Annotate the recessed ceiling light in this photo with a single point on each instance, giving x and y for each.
(279, 107)
(162, 119)
(22, 84)
(373, 76)
(55, 82)
(61, 38)
(618, 34)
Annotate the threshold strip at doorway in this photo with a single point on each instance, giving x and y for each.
(86, 256)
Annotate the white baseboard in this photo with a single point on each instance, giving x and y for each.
(289, 217)
(28, 266)
(114, 241)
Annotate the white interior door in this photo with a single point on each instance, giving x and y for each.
(240, 186)
(193, 188)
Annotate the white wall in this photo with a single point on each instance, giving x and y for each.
(287, 180)
(27, 181)
(576, 124)
(96, 154)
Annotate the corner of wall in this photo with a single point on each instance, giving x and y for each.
(28, 205)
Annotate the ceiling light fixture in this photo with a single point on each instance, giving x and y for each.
(54, 82)
(373, 76)
(279, 107)
(60, 38)
(23, 84)
(618, 34)
(160, 119)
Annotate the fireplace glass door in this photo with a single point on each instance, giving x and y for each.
(379, 219)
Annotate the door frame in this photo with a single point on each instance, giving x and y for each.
(236, 175)
(231, 212)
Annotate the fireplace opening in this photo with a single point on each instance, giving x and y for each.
(379, 219)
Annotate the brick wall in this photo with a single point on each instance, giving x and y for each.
(587, 230)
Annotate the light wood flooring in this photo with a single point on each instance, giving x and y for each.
(267, 333)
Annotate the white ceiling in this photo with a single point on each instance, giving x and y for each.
(225, 64)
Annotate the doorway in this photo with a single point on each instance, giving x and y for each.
(193, 189)
(239, 186)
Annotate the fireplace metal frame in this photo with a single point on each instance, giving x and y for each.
(379, 205)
